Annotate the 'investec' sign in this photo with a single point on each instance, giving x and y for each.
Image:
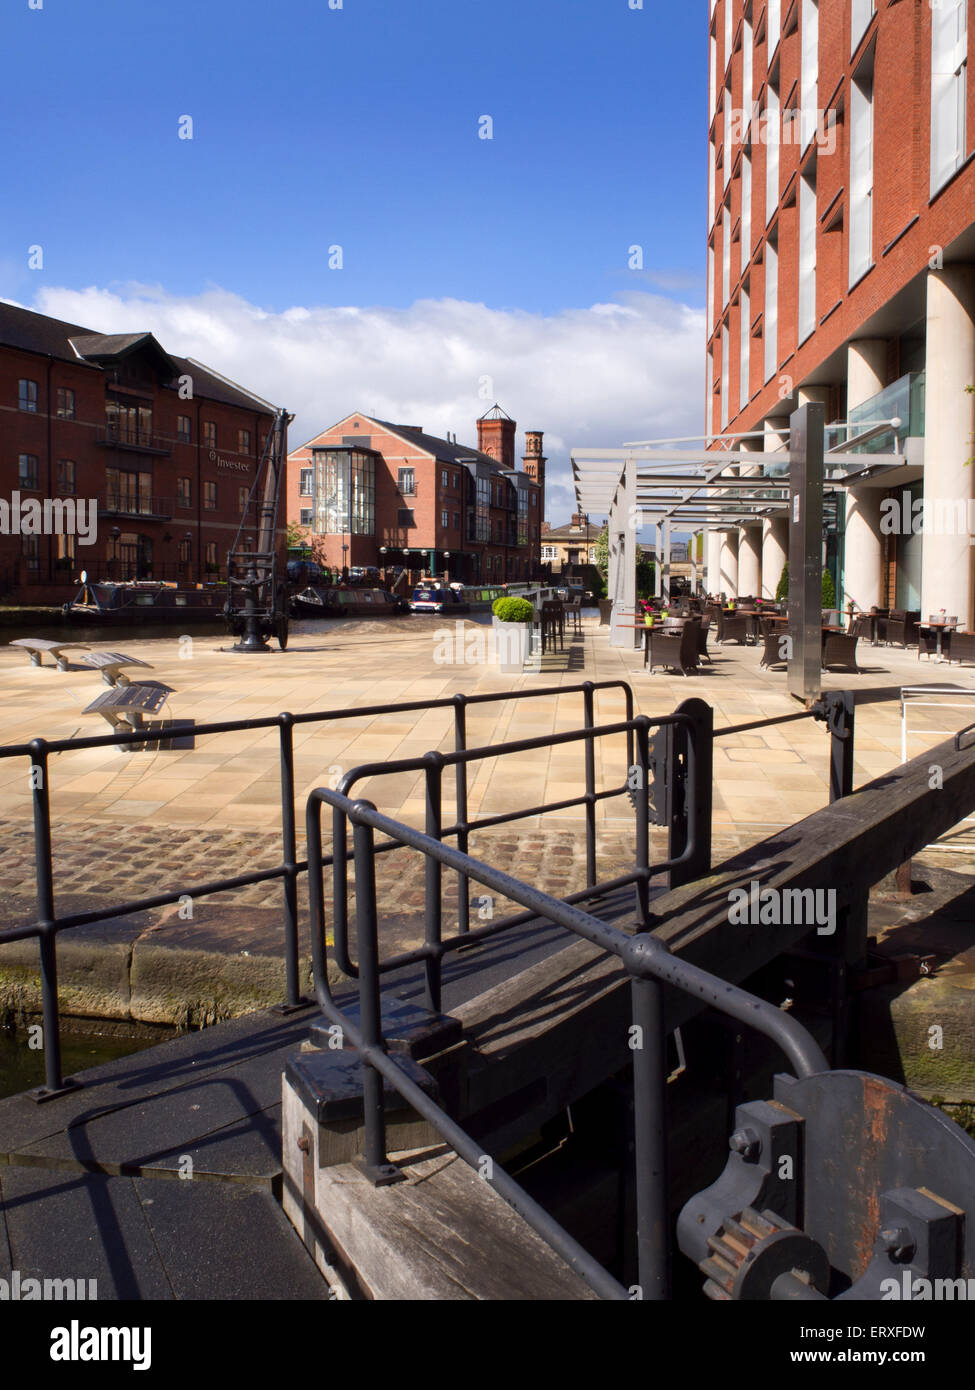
(229, 465)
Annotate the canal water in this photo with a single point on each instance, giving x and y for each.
(22, 1067)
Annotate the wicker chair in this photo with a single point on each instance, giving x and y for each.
(674, 648)
(733, 629)
(963, 646)
(839, 649)
(772, 653)
(703, 628)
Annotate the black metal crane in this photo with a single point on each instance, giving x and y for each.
(257, 604)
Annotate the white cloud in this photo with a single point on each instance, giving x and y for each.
(632, 368)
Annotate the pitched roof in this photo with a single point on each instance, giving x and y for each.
(442, 449)
(568, 532)
(70, 342)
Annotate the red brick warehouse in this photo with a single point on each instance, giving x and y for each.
(165, 448)
(841, 269)
(373, 493)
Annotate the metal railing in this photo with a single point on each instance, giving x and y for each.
(647, 962)
(49, 924)
(433, 765)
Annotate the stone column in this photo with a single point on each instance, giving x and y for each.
(946, 578)
(750, 560)
(713, 540)
(728, 571)
(861, 581)
(775, 553)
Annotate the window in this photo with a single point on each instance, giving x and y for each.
(243, 441)
(27, 395)
(949, 68)
(456, 521)
(185, 552)
(728, 122)
(305, 516)
(128, 422)
(210, 497)
(747, 79)
(807, 255)
(65, 406)
(406, 482)
(66, 475)
(445, 520)
(712, 164)
(183, 492)
(445, 478)
(744, 349)
(306, 485)
(709, 402)
(725, 376)
(728, 17)
(771, 152)
(404, 518)
(31, 553)
(746, 212)
(184, 429)
(128, 492)
(711, 288)
(242, 495)
(713, 89)
(550, 552)
(209, 434)
(27, 470)
(771, 309)
(861, 177)
(773, 25)
(809, 90)
(65, 550)
(534, 499)
(211, 556)
(725, 255)
(860, 17)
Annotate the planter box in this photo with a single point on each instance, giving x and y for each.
(513, 645)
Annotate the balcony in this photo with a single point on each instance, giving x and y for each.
(902, 399)
(132, 438)
(124, 504)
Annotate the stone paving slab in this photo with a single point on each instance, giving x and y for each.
(129, 826)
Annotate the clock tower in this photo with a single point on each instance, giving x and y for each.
(533, 464)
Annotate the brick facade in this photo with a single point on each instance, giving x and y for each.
(159, 494)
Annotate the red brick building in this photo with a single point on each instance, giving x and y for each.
(373, 493)
(841, 267)
(164, 449)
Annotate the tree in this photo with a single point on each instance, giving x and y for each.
(602, 552)
(829, 588)
(645, 572)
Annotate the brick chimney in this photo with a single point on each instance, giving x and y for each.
(496, 436)
(534, 464)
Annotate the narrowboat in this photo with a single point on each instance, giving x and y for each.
(322, 601)
(145, 600)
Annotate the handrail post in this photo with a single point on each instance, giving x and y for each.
(642, 770)
(375, 1161)
(433, 881)
(460, 782)
(590, 755)
(289, 845)
(54, 1082)
(690, 826)
(648, 1042)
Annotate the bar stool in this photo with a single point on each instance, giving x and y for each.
(574, 611)
(553, 623)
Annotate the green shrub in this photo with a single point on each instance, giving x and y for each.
(782, 590)
(829, 590)
(512, 610)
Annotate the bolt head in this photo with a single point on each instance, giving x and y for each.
(746, 1143)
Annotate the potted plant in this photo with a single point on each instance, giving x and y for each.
(647, 607)
(513, 618)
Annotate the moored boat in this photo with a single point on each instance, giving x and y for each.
(145, 600)
(325, 601)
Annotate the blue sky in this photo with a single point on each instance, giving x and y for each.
(358, 127)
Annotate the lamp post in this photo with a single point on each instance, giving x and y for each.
(113, 558)
(446, 569)
(382, 552)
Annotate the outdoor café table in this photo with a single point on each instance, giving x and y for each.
(874, 620)
(665, 625)
(938, 629)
